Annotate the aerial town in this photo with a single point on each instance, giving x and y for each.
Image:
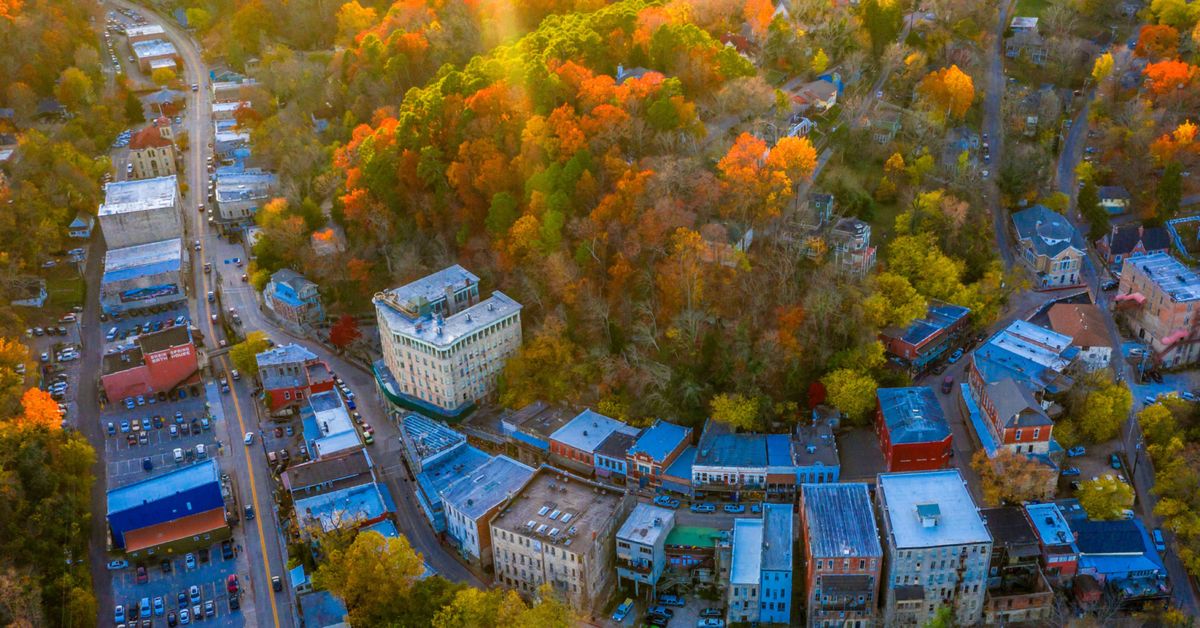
(613, 313)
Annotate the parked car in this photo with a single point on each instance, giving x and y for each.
(711, 622)
(226, 550)
(703, 507)
(1159, 543)
(956, 356)
(623, 610)
(1070, 471)
(194, 594)
(1077, 450)
(734, 509)
(184, 617)
(117, 564)
(712, 612)
(142, 576)
(1114, 461)
(119, 614)
(1109, 285)
(189, 561)
(671, 600)
(666, 502)
(660, 610)
(147, 465)
(231, 583)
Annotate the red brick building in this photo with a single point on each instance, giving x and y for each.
(158, 363)
(843, 556)
(290, 374)
(913, 432)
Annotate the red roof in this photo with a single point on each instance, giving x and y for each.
(168, 531)
(149, 137)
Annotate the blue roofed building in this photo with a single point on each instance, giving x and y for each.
(913, 432)
(655, 450)
(1121, 556)
(917, 346)
(610, 457)
(1051, 246)
(843, 556)
(322, 609)
(1008, 377)
(177, 509)
(328, 429)
(938, 548)
(351, 507)
(575, 444)
(677, 478)
(471, 502)
(443, 347)
(744, 464)
(437, 456)
(760, 573)
(294, 300)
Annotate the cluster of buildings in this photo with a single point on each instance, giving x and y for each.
(237, 195)
(146, 259)
(151, 49)
(817, 233)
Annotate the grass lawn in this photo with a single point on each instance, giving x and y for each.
(1031, 8)
(65, 291)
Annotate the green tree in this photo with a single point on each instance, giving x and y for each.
(883, 20)
(1169, 193)
(1105, 498)
(496, 608)
(852, 391)
(1158, 424)
(198, 18)
(1104, 409)
(135, 113)
(894, 302)
(943, 618)
(820, 61)
(548, 367)
(502, 213)
(74, 89)
(373, 576)
(735, 410)
(245, 353)
(1089, 207)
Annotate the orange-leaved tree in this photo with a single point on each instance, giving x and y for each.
(38, 409)
(949, 92)
(1169, 75)
(1157, 41)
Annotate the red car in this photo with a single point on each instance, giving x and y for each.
(142, 576)
(231, 583)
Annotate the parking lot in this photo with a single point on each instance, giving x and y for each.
(209, 577)
(127, 449)
(643, 609)
(55, 348)
(120, 331)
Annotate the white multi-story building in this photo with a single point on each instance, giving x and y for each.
(760, 575)
(443, 346)
(560, 531)
(140, 212)
(472, 502)
(641, 545)
(938, 548)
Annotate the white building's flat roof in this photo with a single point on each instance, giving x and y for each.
(139, 195)
(142, 31)
(230, 106)
(747, 551)
(646, 524)
(455, 327)
(153, 48)
(143, 255)
(957, 520)
(161, 63)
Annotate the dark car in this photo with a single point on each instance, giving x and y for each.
(660, 610)
(166, 566)
(147, 465)
(234, 602)
(226, 550)
(1156, 376)
(671, 600)
(249, 512)
(142, 576)
(712, 612)
(203, 552)
(276, 584)
(947, 384)
(1109, 285)
(183, 600)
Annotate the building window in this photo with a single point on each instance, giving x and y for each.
(1018, 435)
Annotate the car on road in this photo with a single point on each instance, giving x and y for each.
(734, 509)
(623, 610)
(956, 356)
(703, 507)
(1109, 285)
(276, 584)
(666, 502)
(1077, 450)
(195, 87)
(1159, 543)
(249, 439)
(1149, 399)
(1070, 471)
(117, 564)
(671, 600)
(249, 512)
(947, 384)
(1114, 461)
(189, 561)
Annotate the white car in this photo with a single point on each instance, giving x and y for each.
(249, 440)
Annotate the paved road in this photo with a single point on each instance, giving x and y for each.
(1131, 438)
(261, 537)
(994, 127)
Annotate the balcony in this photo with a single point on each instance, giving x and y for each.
(643, 567)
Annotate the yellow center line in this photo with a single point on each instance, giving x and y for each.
(237, 410)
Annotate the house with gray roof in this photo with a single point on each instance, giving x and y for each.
(1051, 246)
(1131, 240)
(471, 502)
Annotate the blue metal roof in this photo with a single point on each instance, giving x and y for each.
(163, 486)
(1115, 547)
(912, 415)
(840, 521)
(659, 440)
(442, 474)
(779, 450)
(682, 467)
(365, 501)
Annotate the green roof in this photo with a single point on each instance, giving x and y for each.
(693, 536)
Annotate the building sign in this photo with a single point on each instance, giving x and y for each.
(152, 292)
(171, 354)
